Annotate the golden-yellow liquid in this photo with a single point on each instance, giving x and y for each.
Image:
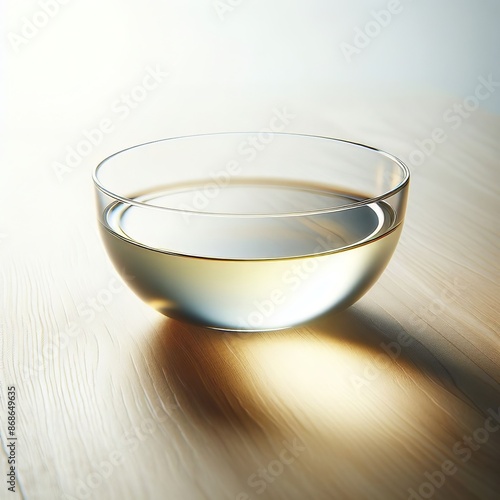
(250, 273)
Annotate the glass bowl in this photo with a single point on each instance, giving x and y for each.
(250, 231)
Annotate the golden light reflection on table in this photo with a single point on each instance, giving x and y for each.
(314, 377)
(327, 372)
(330, 384)
(308, 374)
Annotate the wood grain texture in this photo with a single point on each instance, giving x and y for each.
(126, 404)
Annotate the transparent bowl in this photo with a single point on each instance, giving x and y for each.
(250, 231)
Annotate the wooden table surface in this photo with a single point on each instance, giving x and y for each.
(398, 397)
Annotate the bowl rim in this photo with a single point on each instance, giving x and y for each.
(355, 204)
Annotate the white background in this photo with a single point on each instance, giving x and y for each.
(229, 63)
(92, 46)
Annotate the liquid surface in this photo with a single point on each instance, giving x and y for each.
(249, 273)
(248, 238)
